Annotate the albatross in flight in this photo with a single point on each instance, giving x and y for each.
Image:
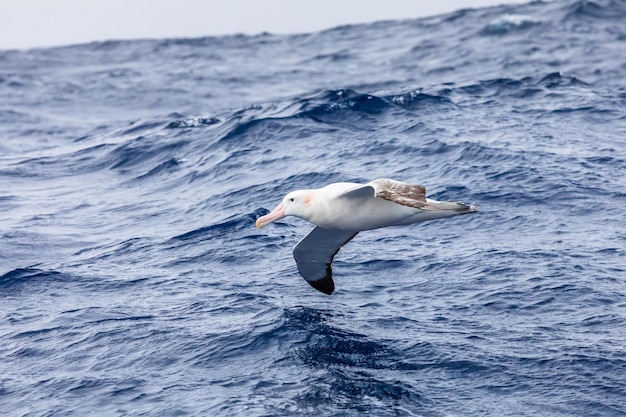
(341, 210)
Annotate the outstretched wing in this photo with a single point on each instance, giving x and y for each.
(411, 195)
(314, 255)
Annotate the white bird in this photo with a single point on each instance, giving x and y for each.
(341, 210)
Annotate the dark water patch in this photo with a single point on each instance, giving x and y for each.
(327, 347)
(235, 223)
(93, 158)
(523, 88)
(333, 101)
(341, 103)
(557, 79)
(493, 87)
(360, 392)
(584, 109)
(166, 167)
(117, 252)
(140, 150)
(334, 57)
(601, 10)
(22, 278)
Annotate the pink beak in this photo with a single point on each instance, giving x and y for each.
(277, 213)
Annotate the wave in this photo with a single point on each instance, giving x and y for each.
(508, 23)
(30, 279)
(601, 10)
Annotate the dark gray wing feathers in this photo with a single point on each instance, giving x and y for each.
(314, 255)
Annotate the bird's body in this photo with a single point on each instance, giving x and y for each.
(353, 206)
(343, 209)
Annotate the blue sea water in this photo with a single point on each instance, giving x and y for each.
(134, 283)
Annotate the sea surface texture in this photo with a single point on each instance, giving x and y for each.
(133, 281)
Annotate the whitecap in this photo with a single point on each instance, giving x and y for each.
(508, 22)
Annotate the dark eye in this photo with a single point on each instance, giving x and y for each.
(291, 199)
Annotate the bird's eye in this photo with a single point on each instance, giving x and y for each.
(291, 199)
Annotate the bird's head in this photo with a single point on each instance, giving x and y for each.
(296, 203)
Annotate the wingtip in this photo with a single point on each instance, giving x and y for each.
(325, 285)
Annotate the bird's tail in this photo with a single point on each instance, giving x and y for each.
(459, 208)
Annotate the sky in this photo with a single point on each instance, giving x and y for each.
(39, 23)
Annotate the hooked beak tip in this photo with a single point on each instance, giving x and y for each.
(278, 213)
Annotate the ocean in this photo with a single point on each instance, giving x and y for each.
(133, 281)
